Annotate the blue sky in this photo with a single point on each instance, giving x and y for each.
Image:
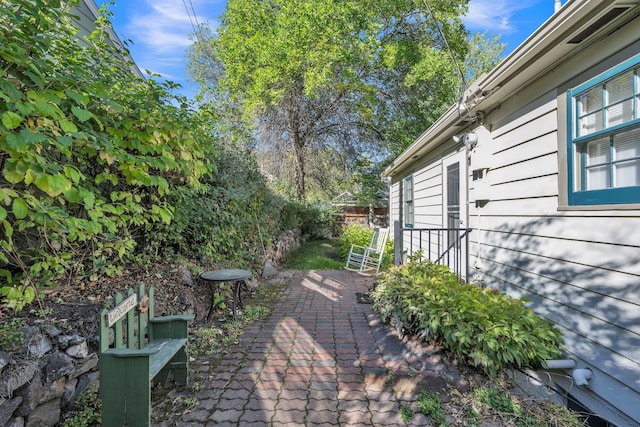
(160, 29)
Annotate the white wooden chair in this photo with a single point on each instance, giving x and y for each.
(364, 259)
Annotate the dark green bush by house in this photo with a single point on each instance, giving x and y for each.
(485, 327)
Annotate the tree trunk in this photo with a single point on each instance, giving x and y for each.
(298, 144)
(298, 158)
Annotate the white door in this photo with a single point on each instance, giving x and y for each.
(454, 205)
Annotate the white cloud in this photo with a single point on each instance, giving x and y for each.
(160, 30)
(494, 15)
(163, 26)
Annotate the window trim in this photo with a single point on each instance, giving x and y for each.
(405, 202)
(609, 196)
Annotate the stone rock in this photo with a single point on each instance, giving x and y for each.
(37, 344)
(66, 341)
(283, 244)
(59, 365)
(78, 351)
(53, 390)
(87, 381)
(47, 414)
(12, 380)
(83, 384)
(53, 331)
(69, 394)
(5, 358)
(31, 394)
(7, 408)
(87, 365)
(16, 422)
(186, 276)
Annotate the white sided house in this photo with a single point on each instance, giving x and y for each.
(531, 184)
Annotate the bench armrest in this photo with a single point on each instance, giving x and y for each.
(172, 318)
(174, 326)
(130, 352)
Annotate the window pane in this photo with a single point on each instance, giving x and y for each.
(408, 190)
(598, 152)
(627, 174)
(408, 200)
(598, 164)
(598, 178)
(620, 113)
(620, 88)
(590, 106)
(590, 101)
(627, 145)
(590, 124)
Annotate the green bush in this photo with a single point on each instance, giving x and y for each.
(89, 150)
(316, 220)
(487, 328)
(225, 219)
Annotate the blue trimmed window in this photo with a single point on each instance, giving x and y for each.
(407, 185)
(604, 137)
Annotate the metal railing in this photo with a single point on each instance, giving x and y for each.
(447, 246)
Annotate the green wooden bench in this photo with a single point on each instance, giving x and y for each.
(142, 350)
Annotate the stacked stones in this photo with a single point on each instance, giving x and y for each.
(57, 369)
(284, 243)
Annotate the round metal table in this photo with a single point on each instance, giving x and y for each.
(236, 276)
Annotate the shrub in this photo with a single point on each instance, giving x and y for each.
(89, 152)
(315, 220)
(490, 329)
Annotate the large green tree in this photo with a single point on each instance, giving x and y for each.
(484, 53)
(331, 79)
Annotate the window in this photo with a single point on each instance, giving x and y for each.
(604, 138)
(408, 201)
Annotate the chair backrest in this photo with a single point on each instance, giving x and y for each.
(379, 239)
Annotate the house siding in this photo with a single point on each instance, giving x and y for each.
(579, 267)
(581, 270)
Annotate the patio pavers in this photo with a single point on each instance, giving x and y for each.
(320, 359)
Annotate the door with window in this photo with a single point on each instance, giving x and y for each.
(454, 195)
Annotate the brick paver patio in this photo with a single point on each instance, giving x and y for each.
(320, 359)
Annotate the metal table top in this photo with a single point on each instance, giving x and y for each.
(226, 275)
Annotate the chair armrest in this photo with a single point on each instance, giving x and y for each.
(358, 246)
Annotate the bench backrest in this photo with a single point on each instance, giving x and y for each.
(129, 320)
